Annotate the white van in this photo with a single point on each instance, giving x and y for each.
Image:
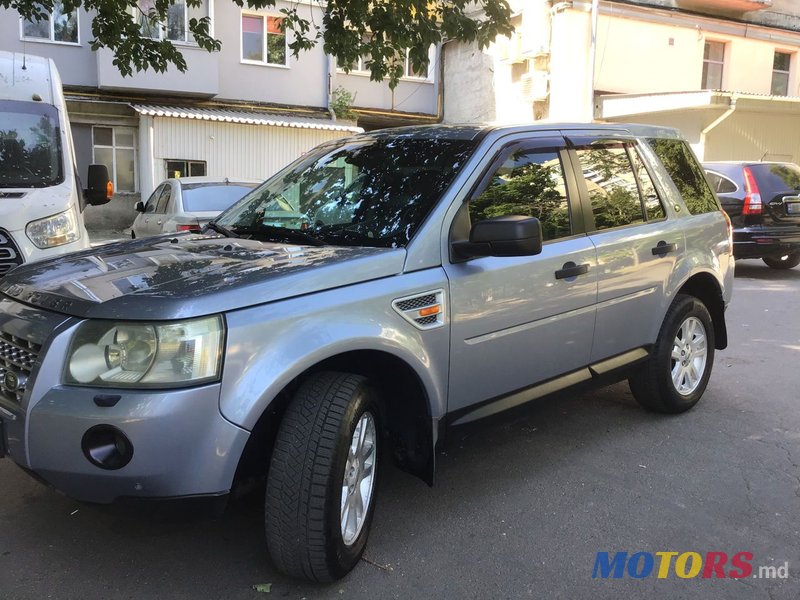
(41, 203)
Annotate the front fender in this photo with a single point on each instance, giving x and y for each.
(269, 346)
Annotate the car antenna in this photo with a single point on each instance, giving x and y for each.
(762, 156)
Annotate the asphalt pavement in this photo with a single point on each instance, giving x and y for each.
(521, 507)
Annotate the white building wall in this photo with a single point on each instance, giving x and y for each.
(468, 84)
(230, 149)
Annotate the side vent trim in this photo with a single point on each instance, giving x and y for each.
(424, 310)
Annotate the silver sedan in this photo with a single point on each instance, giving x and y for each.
(186, 204)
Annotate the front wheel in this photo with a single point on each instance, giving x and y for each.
(322, 478)
(676, 374)
(787, 261)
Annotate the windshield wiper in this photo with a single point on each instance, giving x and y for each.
(273, 233)
(220, 229)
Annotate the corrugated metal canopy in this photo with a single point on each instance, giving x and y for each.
(242, 117)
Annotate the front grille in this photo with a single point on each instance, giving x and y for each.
(18, 356)
(10, 255)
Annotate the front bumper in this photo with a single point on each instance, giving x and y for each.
(758, 242)
(181, 443)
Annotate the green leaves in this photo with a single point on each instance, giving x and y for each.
(264, 588)
(141, 32)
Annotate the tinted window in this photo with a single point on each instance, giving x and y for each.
(30, 145)
(721, 185)
(212, 196)
(774, 180)
(529, 183)
(368, 191)
(612, 185)
(163, 201)
(152, 201)
(686, 174)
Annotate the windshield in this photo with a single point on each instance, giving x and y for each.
(216, 197)
(30, 145)
(369, 191)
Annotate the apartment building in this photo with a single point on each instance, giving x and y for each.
(725, 72)
(245, 111)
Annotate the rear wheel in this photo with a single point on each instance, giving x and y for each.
(322, 478)
(787, 261)
(676, 374)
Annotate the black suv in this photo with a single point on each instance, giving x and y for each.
(763, 201)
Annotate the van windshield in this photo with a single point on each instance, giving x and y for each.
(30, 145)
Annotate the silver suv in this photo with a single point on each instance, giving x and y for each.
(439, 275)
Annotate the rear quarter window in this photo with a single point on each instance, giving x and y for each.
(686, 174)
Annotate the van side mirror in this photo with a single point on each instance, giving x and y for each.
(100, 187)
(139, 206)
(511, 235)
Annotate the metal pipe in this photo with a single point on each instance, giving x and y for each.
(592, 57)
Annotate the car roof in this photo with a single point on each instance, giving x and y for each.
(470, 131)
(26, 75)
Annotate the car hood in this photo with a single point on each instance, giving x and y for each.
(186, 275)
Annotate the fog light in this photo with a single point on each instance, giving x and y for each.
(107, 447)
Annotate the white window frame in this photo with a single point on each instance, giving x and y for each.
(263, 16)
(788, 73)
(716, 62)
(113, 147)
(189, 162)
(361, 70)
(52, 39)
(162, 27)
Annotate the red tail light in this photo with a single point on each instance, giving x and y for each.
(752, 201)
(193, 228)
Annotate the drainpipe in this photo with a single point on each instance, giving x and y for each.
(330, 70)
(714, 124)
(592, 57)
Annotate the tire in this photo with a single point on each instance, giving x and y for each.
(307, 478)
(654, 384)
(787, 261)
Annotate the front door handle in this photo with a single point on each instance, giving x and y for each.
(663, 248)
(570, 269)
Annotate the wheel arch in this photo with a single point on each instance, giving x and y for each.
(405, 401)
(706, 288)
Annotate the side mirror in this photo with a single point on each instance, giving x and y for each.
(139, 206)
(100, 187)
(511, 235)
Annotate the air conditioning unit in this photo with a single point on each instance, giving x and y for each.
(535, 86)
(534, 51)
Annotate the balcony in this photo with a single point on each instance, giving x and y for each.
(201, 78)
(726, 6)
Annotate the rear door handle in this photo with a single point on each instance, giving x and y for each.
(570, 269)
(663, 248)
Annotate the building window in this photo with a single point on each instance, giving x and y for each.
(185, 168)
(781, 65)
(176, 27)
(713, 63)
(59, 26)
(115, 147)
(263, 40)
(361, 66)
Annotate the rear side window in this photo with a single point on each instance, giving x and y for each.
(686, 174)
(619, 185)
(529, 183)
(720, 183)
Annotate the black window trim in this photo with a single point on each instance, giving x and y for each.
(635, 147)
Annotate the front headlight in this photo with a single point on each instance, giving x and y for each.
(108, 354)
(54, 231)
